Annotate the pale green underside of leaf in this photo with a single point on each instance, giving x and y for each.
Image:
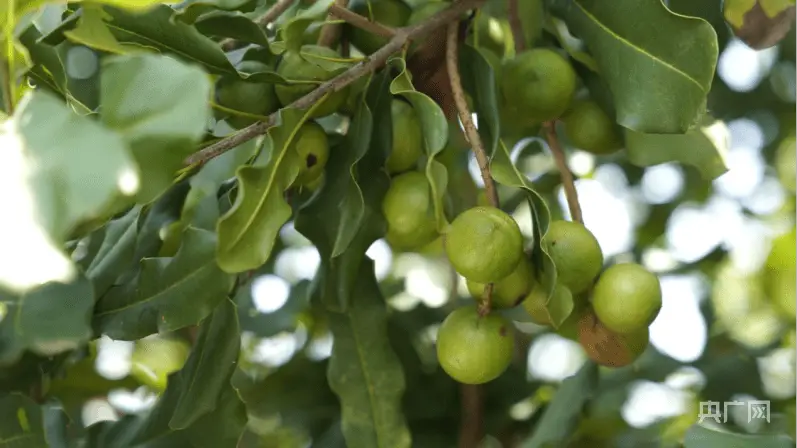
(659, 75)
(161, 121)
(248, 230)
(365, 372)
(704, 148)
(49, 320)
(59, 170)
(434, 127)
(168, 293)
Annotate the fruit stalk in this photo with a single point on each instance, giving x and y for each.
(271, 15)
(331, 31)
(567, 177)
(472, 134)
(368, 65)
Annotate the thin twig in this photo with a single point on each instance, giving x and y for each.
(330, 33)
(271, 15)
(359, 21)
(516, 26)
(339, 82)
(567, 177)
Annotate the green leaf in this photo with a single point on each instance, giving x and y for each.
(478, 80)
(161, 121)
(69, 170)
(704, 147)
(194, 390)
(233, 25)
(51, 319)
(659, 75)
(247, 231)
(365, 372)
(199, 408)
(350, 203)
(155, 30)
(168, 293)
(93, 32)
(48, 68)
(23, 423)
(116, 252)
(563, 413)
(504, 172)
(293, 30)
(699, 436)
(572, 45)
(435, 135)
(191, 10)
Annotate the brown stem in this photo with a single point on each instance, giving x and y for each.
(331, 32)
(362, 22)
(339, 82)
(567, 177)
(471, 432)
(516, 26)
(271, 15)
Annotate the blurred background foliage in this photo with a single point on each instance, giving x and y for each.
(724, 251)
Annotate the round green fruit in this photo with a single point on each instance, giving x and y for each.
(539, 84)
(575, 252)
(313, 147)
(408, 210)
(154, 359)
(494, 33)
(510, 290)
(425, 11)
(304, 66)
(609, 348)
(407, 138)
(255, 98)
(472, 349)
(534, 303)
(589, 128)
(484, 244)
(627, 298)
(393, 13)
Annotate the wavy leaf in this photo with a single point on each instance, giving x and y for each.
(659, 75)
(365, 372)
(704, 148)
(504, 172)
(435, 135)
(350, 202)
(478, 80)
(247, 231)
(167, 293)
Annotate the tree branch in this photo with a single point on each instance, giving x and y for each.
(567, 177)
(368, 65)
(271, 15)
(471, 432)
(516, 25)
(359, 21)
(331, 32)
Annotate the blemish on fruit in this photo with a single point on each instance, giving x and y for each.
(311, 160)
(502, 331)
